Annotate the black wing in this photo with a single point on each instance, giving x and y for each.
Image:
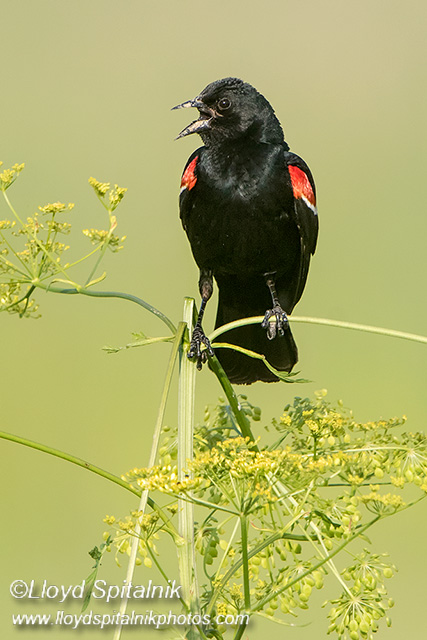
(305, 215)
(188, 182)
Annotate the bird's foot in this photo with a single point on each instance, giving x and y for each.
(195, 351)
(279, 324)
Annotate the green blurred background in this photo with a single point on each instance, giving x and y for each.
(86, 89)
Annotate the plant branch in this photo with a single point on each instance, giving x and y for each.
(73, 459)
(109, 294)
(323, 321)
(186, 394)
(241, 419)
(245, 560)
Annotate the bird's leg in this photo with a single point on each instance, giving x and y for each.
(281, 319)
(199, 338)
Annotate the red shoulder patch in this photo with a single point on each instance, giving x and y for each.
(301, 185)
(189, 179)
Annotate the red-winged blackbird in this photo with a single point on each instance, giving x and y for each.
(248, 207)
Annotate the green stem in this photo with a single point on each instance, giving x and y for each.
(104, 246)
(109, 294)
(361, 327)
(69, 265)
(43, 260)
(240, 631)
(241, 419)
(9, 204)
(162, 572)
(25, 297)
(57, 453)
(25, 273)
(230, 542)
(202, 503)
(282, 375)
(73, 459)
(245, 559)
(323, 321)
(98, 261)
(282, 533)
(186, 551)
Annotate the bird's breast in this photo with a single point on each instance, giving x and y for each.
(240, 216)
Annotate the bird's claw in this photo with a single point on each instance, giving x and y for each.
(195, 351)
(278, 326)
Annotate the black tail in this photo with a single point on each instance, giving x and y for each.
(237, 301)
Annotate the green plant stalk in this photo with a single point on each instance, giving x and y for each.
(25, 297)
(240, 631)
(57, 453)
(236, 566)
(99, 258)
(9, 204)
(282, 375)
(241, 419)
(152, 461)
(323, 321)
(73, 459)
(27, 273)
(163, 573)
(203, 503)
(43, 260)
(245, 560)
(227, 549)
(108, 294)
(186, 392)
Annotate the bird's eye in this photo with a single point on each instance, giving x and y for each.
(224, 104)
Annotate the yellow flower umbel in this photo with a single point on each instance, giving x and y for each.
(31, 252)
(8, 176)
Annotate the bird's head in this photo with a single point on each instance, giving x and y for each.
(231, 109)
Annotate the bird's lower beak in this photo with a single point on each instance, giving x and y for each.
(202, 123)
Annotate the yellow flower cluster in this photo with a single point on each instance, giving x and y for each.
(382, 502)
(164, 479)
(8, 176)
(125, 534)
(234, 457)
(100, 188)
(7, 224)
(56, 207)
(100, 236)
(115, 196)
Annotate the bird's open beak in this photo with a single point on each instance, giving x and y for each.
(202, 123)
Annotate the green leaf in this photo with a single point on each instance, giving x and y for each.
(282, 375)
(139, 343)
(97, 280)
(96, 553)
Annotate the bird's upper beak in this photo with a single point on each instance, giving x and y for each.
(202, 123)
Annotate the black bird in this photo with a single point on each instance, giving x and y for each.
(248, 207)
